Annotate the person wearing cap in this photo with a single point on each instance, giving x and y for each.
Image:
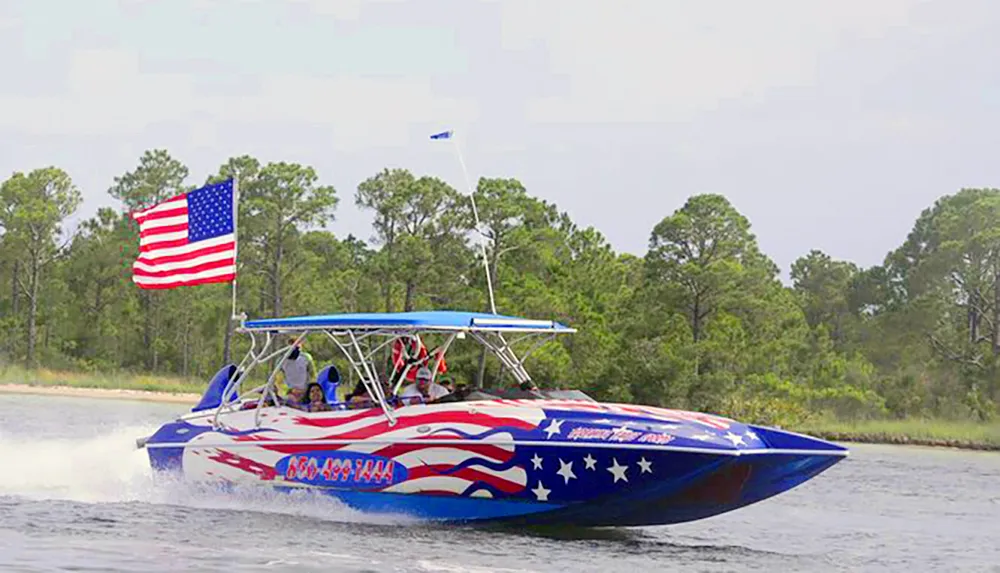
(424, 388)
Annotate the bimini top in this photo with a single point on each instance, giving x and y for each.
(425, 320)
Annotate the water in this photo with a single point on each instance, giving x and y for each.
(76, 495)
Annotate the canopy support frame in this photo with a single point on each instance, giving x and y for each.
(349, 342)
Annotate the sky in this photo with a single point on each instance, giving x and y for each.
(830, 124)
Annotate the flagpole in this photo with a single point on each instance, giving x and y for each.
(475, 215)
(236, 237)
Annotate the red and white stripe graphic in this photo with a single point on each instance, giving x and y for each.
(429, 462)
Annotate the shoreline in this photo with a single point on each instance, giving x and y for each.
(901, 440)
(190, 399)
(102, 393)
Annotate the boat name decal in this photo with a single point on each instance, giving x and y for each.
(341, 468)
(624, 435)
(655, 438)
(618, 435)
(589, 434)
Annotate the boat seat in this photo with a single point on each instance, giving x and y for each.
(329, 380)
(212, 397)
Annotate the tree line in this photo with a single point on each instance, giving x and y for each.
(701, 321)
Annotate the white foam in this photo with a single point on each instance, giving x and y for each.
(108, 468)
(103, 468)
(444, 567)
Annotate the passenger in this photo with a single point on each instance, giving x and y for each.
(295, 396)
(267, 403)
(359, 398)
(448, 384)
(273, 398)
(297, 370)
(531, 389)
(423, 389)
(316, 399)
(359, 395)
(458, 392)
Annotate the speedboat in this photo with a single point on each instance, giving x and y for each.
(522, 455)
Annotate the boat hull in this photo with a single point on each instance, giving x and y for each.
(538, 463)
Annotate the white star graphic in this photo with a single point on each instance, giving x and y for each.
(536, 461)
(541, 493)
(645, 465)
(566, 471)
(750, 434)
(591, 462)
(618, 471)
(554, 428)
(736, 439)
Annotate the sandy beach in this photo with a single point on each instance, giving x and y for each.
(106, 393)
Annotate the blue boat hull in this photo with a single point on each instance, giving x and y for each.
(597, 486)
(504, 463)
(723, 486)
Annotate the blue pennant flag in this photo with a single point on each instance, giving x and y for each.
(442, 135)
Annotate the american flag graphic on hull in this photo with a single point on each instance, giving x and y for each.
(542, 451)
(448, 450)
(522, 461)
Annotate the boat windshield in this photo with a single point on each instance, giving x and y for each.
(389, 360)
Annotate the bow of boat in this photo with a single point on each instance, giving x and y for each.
(652, 466)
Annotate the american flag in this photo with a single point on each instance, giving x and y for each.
(187, 240)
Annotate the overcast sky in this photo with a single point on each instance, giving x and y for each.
(830, 124)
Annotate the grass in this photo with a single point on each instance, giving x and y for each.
(110, 381)
(961, 434)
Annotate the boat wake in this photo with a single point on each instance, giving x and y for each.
(102, 468)
(107, 468)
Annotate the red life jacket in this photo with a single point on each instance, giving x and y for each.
(421, 359)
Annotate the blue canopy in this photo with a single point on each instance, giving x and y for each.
(424, 320)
